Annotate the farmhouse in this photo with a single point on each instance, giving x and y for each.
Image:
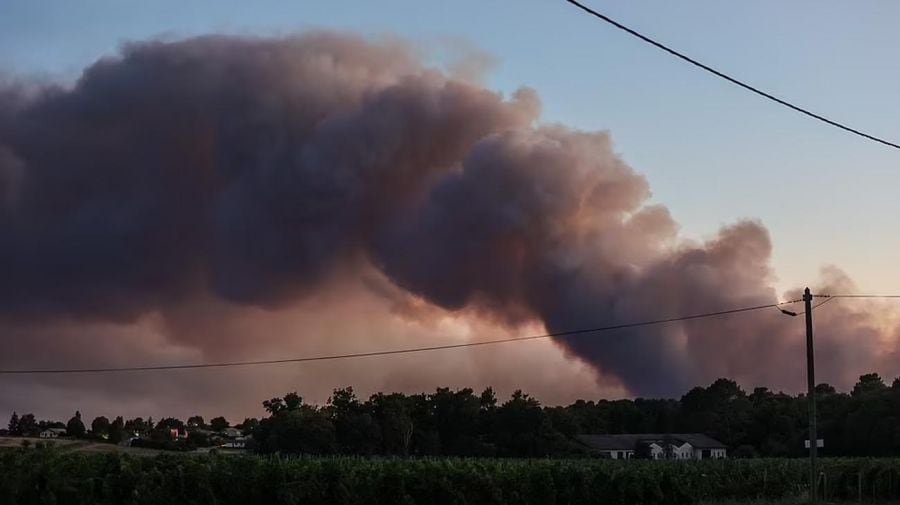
(53, 432)
(175, 433)
(232, 432)
(679, 446)
(236, 443)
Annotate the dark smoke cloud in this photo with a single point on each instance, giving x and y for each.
(186, 181)
(250, 167)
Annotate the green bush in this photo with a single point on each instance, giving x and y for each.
(54, 476)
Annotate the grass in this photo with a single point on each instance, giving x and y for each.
(74, 445)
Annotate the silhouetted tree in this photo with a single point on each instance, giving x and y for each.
(392, 413)
(137, 425)
(13, 425)
(117, 430)
(198, 438)
(196, 422)
(100, 426)
(75, 427)
(869, 383)
(356, 429)
(295, 428)
(218, 423)
(249, 425)
(28, 426)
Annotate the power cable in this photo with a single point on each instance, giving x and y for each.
(854, 295)
(728, 78)
(816, 306)
(795, 314)
(393, 351)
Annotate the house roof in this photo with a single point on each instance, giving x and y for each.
(627, 442)
(608, 442)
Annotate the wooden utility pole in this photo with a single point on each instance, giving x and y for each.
(811, 398)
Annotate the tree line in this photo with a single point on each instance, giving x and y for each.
(167, 433)
(863, 422)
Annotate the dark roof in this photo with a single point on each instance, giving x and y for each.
(608, 442)
(629, 441)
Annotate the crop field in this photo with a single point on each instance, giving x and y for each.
(64, 477)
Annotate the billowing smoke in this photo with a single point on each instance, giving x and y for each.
(255, 174)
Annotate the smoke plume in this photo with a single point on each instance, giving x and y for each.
(178, 184)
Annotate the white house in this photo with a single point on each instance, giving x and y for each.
(677, 446)
(236, 443)
(53, 432)
(232, 432)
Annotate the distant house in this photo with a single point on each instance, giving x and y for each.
(235, 443)
(176, 434)
(52, 433)
(678, 446)
(232, 432)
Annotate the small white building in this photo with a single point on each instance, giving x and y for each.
(236, 443)
(622, 454)
(53, 433)
(232, 432)
(675, 446)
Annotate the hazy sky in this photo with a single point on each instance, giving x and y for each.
(712, 152)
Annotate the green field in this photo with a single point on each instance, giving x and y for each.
(61, 477)
(74, 445)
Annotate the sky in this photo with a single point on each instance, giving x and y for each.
(712, 153)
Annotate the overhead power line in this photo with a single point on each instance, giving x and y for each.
(828, 298)
(814, 307)
(330, 357)
(856, 296)
(728, 78)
